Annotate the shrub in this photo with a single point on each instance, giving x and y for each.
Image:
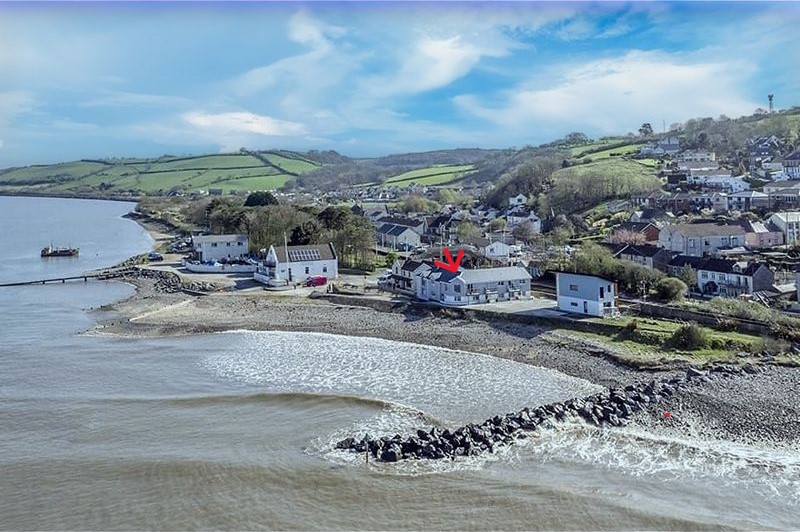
(670, 289)
(690, 337)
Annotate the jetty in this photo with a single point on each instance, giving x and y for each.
(99, 275)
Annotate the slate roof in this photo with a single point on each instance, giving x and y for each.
(700, 230)
(480, 275)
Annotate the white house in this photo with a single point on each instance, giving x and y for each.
(727, 183)
(697, 240)
(398, 236)
(586, 294)
(518, 200)
(466, 287)
(789, 224)
(284, 265)
(521, 216)
(696, 156)
(211, 248)
(497, 250)
(791, 165)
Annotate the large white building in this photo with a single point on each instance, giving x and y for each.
(210, 248)
(466, 287)
(285, 265)
(697, 240)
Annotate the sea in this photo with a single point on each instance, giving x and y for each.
(235, 430)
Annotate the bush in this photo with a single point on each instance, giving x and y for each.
(690, 337)
(670, 289)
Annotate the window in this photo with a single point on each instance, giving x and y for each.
(307, 269)
(704, 275)
(324, 269)
(240, 243)
(457, 288)
(573, 287)
(213, 244)
(228, 244)
(602, 292)
(573, 304)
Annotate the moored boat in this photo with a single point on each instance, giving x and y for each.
(50, 251)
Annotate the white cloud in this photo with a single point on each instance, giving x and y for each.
(614, 95)
(14, 103)
(242, 122)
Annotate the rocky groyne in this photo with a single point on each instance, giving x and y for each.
(613, 407)
(164, 282)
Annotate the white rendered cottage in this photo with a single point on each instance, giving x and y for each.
(285, 265)
(210, 248)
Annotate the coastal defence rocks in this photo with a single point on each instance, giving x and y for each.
(164, 281)
(613, 407)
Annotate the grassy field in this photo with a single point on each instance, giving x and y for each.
(225, 171)
(431, 176)
(650, 346)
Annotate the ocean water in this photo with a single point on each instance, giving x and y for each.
(235, 430)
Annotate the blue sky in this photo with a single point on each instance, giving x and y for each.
(134, 79)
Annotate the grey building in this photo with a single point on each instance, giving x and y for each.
(586, 294)
(466, 287)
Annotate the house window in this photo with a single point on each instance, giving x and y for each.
(306, 270)
(573, 304)
(704, 275)
(324, 269)
(602, 292)
(573, 287)
(240, 243)
(213, 244)
(228, 244)
(457, 288)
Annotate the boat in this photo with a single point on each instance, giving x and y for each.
(50, 251)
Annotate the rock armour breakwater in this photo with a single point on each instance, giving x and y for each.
(614, 407)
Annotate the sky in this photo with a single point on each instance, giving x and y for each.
(91, 80)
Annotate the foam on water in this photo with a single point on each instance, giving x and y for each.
(668, 454)
(454, 387)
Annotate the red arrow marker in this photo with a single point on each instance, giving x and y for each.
(451, 266)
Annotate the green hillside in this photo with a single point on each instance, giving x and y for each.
(435, 175)
(228, 172)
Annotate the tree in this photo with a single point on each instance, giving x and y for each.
(646, 130)
(259, 198)
(524, 232)
(688, 276)
(576, 138)
(467, 231)
(497, 224)
(670, 289)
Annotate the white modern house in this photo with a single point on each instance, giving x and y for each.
(697, 240)
(467, 287)
(398, 236)
(497, 250)
(211, 248)
(586, 294)
(285, 265)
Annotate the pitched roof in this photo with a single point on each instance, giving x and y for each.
(641, 250)
(480, 275)
(707, 229)
(681, 261)
(306, 253)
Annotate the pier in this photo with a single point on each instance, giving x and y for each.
(102, 275)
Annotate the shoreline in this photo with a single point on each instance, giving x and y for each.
(746, 407)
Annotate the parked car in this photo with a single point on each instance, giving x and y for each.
(317, 280)
(155, 257)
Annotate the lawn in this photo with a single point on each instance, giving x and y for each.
(71, 171)
(431, 176)
(264, 182)
(205, 162)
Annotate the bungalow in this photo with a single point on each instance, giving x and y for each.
(398, 236)
(465, 287)
(586, 294)
(211, 248)
(284, 265)
(700, 239)
(729, 278)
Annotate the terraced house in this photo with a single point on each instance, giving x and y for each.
(697, 240)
